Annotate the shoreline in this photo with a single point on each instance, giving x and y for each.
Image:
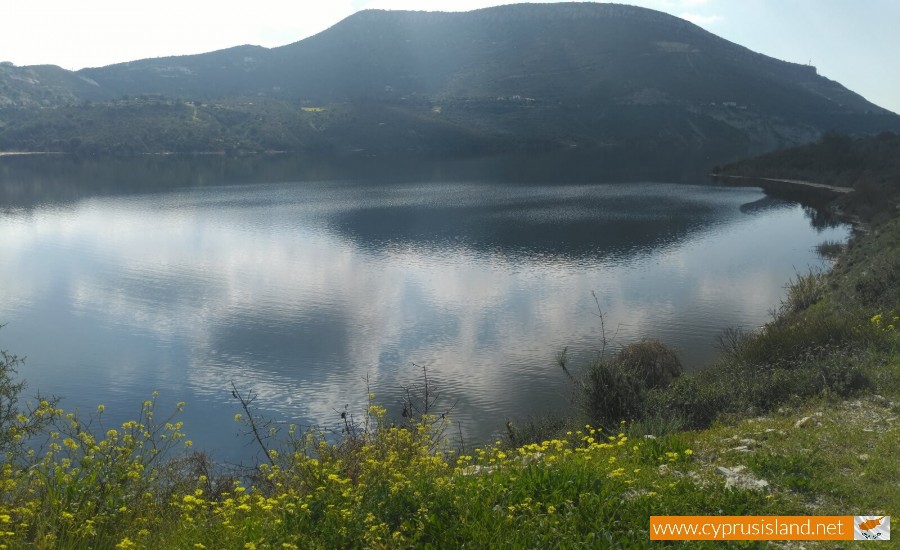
(811, 184)
(26, 153)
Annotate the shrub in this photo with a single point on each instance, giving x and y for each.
(613, 393)
(803, 291)
(794, 334)
(830, 250)
(657, 424)
(696, 399)
(19, 421)
(534, 429)
(9, 401)
(878, 285)
(615, 390)
(654, 363)
(734, 387)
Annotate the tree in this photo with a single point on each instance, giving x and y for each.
(18, 421)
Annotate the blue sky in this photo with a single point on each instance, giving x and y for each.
(854, 42)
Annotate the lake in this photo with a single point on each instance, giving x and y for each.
(306, 283)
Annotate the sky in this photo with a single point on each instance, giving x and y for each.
(853, 42)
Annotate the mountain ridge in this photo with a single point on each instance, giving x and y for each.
(500, 78)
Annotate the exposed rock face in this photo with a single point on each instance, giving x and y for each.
(739, 477)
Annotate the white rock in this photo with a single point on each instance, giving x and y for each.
(803, 422)
(735, 477)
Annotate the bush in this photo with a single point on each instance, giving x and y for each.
(803, 291)
(9, 401)
(696, 399)
(733, 387)
(794, 334)
(535, 429)
(654, 363)
(19, 421)
(613, 393)
(878, 285)
(830, 250)
(617, 389)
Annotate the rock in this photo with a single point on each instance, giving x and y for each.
(748, 442)
(476, 469)
(534, 457)
(722, 470)
(736, 477)
(803, 422)
(755, 483)
(863, 457)
(741, 449)
(664, 469)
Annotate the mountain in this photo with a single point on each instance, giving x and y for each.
(529, 76)
(42, 86)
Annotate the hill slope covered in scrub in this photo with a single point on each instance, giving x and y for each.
(531, 76)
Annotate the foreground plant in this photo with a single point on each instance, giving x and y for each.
(382, 485)
(82, 484)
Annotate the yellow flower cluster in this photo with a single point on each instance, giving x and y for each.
(83, 485)
(385, 485)
(884, 322)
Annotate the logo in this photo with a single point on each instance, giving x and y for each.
(871, 527)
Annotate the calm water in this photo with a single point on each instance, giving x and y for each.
(117, 281)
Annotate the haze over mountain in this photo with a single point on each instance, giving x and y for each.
(530, 76)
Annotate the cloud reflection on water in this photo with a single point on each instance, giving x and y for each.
(301, 291)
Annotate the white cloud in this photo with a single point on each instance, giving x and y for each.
(75, 35)
(670, 5)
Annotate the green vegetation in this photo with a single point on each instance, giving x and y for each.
(870, 165)
(800, 417)
(156, 124)
(386, 486)
(530, 76)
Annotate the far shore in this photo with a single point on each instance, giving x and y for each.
(160, 153)
(833, 188)
(19, 153)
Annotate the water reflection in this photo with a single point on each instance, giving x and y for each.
(303, 290)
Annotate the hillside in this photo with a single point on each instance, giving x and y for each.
(531, 76)
(42, 86)
(869, 165)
